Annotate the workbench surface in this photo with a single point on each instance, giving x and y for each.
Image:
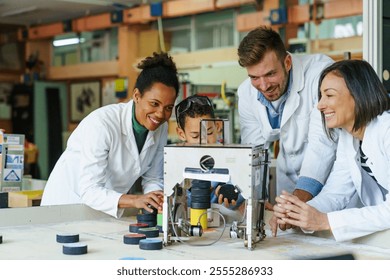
(30, 234)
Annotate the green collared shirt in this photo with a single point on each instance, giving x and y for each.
(140, 132)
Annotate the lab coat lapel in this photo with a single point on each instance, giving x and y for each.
(270, 134)
(292, 101)
(148, 143)
(373, 192)
(352, 149)
(266, 125)
(127, 130)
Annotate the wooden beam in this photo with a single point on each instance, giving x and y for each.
(187, 7)
(225, 4)
(247, 22)
(91, 23)
(45, 31)
(84, 70)
(298, 14)
(139, 14)
(346, 8)
(127, 51)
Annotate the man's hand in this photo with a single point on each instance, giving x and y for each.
(301, 214)
(279, 213)
(302, 195)
(280, 217)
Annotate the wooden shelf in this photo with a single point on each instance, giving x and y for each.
(85, 70)
(199, 59)
(336, 45)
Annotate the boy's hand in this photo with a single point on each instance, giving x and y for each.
(227, 194)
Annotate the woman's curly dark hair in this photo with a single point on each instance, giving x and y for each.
(158, 68)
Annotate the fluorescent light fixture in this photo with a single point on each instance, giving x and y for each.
(68, 42)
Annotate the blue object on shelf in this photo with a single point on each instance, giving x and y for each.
(156, 9)
(117, 16)
(278, 16)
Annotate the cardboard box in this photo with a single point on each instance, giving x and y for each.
(25, 198)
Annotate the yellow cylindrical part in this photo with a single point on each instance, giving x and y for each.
(194, 217)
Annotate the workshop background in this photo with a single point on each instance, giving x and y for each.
(81, 55)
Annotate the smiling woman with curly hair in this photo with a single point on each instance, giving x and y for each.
(116, 144)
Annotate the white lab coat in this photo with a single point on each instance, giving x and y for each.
(305, 149)
(346, 179)
(102, 162)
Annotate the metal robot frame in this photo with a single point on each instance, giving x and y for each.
(244, 166)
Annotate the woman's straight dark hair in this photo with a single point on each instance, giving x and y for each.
(370, 96)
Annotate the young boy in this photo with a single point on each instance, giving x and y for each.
(189, 113)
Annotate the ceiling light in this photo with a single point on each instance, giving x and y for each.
(68, 42)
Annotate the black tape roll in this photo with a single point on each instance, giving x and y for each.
(150, 213)
(67, 238)
(150, 244)
(75, 248)
(200, 205)
(200, 194)
(133, 238)
(200, 198)
(200, 184)
(150, 232)
(146, 218)
(200, 191)
(135, 227)
(150, 223)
